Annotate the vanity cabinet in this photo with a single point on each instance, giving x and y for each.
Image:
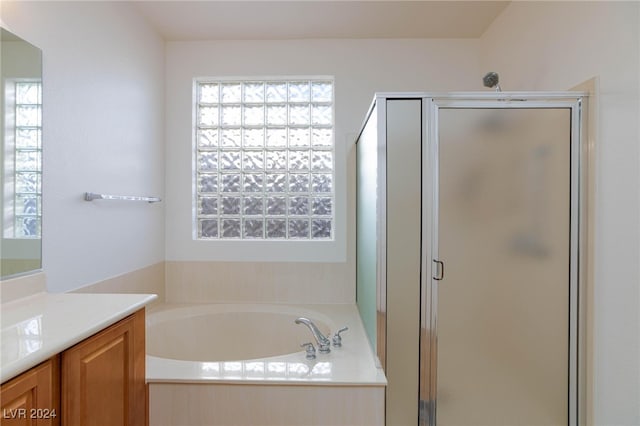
(32, 399)
(99, 381)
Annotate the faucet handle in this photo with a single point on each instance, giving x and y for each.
(337, 340)
(311, 350)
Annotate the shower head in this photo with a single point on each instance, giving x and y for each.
(491, 79)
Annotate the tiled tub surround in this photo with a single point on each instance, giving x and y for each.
(259, 282)
(147, 280)
(37, 327)
(280, 387)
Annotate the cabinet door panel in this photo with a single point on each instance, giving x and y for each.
(103, 377)
(33, 397)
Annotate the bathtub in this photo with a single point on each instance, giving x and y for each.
(242, 364)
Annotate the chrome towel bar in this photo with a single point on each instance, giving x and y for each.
(90, 196)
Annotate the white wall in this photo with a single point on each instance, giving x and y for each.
(360, 67)
(103, 113)
(555, 46)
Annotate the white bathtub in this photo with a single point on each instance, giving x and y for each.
(229, 332)
(197, 355)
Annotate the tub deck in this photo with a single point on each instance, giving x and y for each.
(352, 364)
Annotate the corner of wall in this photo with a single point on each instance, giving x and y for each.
(22, 286)
(147, 280)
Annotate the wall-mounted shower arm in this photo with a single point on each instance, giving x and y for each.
(491, 80)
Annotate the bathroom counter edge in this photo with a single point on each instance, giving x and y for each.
(37, 327)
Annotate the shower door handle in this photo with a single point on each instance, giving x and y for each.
(438, 270)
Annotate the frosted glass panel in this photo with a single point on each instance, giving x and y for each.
(231, 93)
(209, 228)
(276, 206)
(28, 138)
(208, 138)
(321, 183)
(299, 137)
(28, 115)
(299, 114)
(276, 115)
(298, 183)
(208, 205)
(321, 228)
(322, 160)
(366, 231)
(276, 182)
(503, 306)
(231, 116)
(322, 137)
(276, 92)
(322, 92)
(208, 161)
(27, 182)
(28, 93)
(321, 114)
(253, 205)
(254, 92)
(231, 228)
(209, 116)
(209, 93)
(230, 160)
(322, 206)
(299, 92)
(298, 206)
(253, 182)
(254, 228)
(231, 205)
(298, 228)
(276, 228)
(253, 160)
(230, 138)
(27, 160)
(298, 160)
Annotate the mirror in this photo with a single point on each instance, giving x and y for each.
(21, 155)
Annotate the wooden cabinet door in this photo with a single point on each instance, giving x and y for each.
(33, 397)
(103, 379)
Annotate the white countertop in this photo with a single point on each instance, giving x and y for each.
(34, 328)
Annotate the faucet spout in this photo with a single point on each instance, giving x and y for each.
(324, 344)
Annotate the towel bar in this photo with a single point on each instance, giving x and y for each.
(90, 196)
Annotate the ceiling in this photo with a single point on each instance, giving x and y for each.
(251, 20)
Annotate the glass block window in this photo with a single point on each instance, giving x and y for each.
(264, 159)
(23, 171)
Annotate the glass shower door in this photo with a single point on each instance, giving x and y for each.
(504, 235)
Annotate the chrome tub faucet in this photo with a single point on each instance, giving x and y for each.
(324, 344)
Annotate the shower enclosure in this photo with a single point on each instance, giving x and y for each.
(470, 255)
